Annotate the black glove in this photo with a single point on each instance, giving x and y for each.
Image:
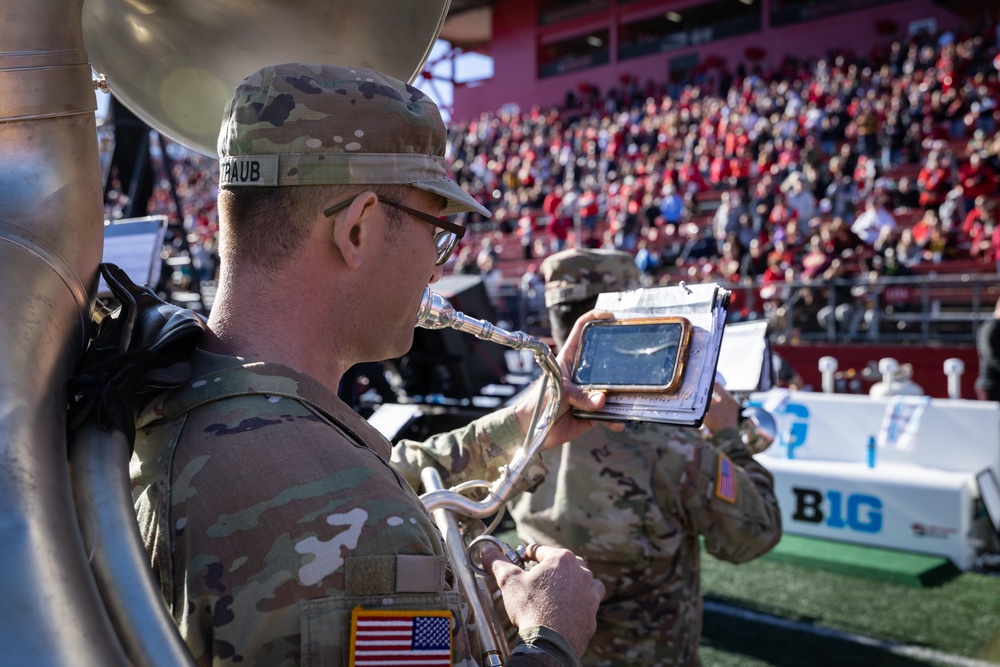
(141, 349)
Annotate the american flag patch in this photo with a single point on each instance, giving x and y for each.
(397, 638)
(725, 480)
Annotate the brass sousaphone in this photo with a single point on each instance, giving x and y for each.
(172, 62)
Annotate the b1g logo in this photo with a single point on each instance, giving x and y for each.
(856, 511)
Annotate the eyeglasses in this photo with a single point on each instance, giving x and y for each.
(445, 239)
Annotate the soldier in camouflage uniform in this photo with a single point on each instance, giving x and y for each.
(279, 530)
(633, 503)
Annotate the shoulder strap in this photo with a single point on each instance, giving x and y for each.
(239, 381)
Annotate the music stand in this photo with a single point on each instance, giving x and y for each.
(134, 245)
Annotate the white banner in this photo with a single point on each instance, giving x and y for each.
(902, 422)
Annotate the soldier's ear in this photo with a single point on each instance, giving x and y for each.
(351, 230)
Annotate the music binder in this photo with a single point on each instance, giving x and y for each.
(705, 306)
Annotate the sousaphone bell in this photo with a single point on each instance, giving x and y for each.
(174, 62)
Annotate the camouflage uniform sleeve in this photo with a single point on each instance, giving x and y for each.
(729, 499)
(540, 646)
(475, 451)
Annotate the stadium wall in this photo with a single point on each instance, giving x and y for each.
(517, 36)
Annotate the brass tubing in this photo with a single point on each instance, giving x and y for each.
(130, 591)
(51, 217)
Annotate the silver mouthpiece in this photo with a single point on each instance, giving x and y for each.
(435, 312)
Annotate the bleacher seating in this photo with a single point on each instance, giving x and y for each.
(665, 121)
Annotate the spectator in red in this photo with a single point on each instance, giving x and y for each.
(789, 157)
(983, 209)
(741, 167)
(816, 259)
(773, 286)
(780, 214)
(588, 209)
(766, 159)
(552, 200)
(720, 169)
(558, 229)
(923, 227)
(690, 178)
(781, 253)
(977, 180)
(934, 181)
(864, 174)
(981, 231)
(846, 242)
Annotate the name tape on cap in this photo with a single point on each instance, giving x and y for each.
(249, 170)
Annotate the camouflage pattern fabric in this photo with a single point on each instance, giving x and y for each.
(475, 451)
(305, 124)
(270, 511)
(633, 504)
(578, 274)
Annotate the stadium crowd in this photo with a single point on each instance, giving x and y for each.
(844, 167)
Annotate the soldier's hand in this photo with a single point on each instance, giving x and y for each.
(558, 592)
(723, 412)
(567, 427)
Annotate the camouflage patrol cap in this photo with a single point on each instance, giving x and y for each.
(578, 274)
(302, 124)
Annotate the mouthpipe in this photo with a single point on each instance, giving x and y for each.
(435, 312)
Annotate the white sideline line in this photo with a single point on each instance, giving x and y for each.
(891, 647)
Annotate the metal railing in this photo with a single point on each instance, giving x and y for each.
(911, 309)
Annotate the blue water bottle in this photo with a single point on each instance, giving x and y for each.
(871, 451)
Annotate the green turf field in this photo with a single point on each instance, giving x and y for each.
(769, 612)
(812, 603)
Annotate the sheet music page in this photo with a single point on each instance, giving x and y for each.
(391, 418)
(134, 245)
(743, 356)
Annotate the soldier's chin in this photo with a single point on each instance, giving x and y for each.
(402, 346)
